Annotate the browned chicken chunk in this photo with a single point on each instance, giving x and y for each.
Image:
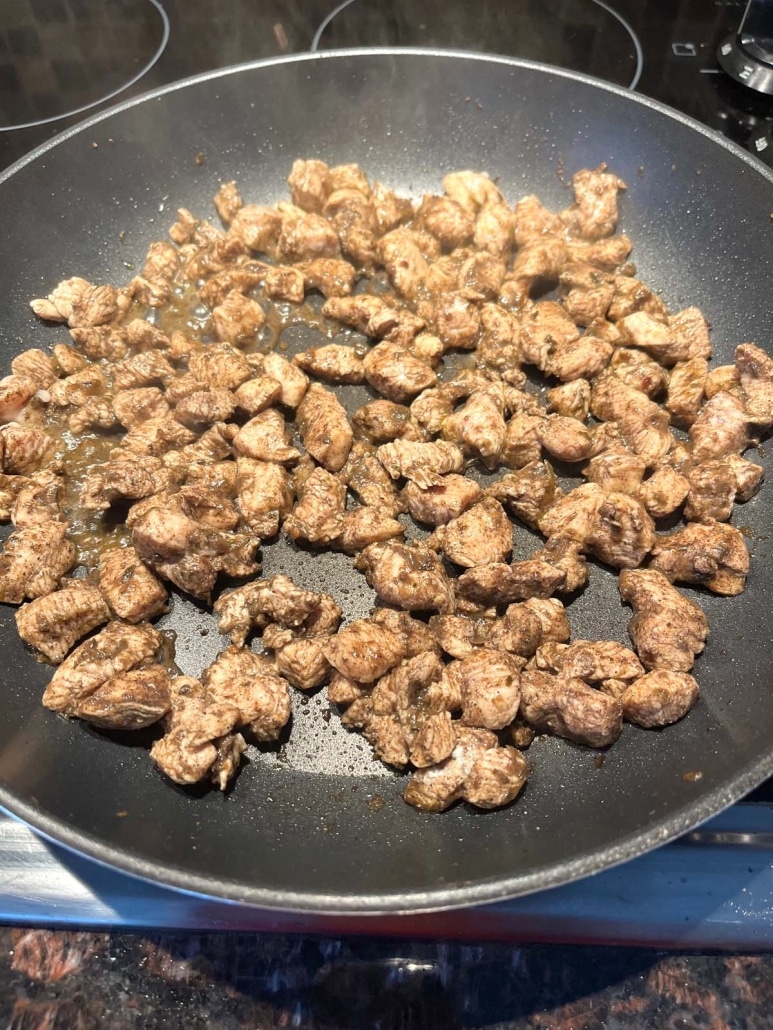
(668, 629)
(659, 698)
(129, 587)
(55, 623)
(711, 554)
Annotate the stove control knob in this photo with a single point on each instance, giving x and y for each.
(761, 144)
(747, 56)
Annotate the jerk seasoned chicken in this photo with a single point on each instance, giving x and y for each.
(181, 429)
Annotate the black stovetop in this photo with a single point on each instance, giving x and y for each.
(79, 55)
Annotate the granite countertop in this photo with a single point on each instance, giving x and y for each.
(66, 980)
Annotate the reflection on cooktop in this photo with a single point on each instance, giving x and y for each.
(61, 58)
(582, 35)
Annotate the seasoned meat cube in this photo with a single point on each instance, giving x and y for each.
(206, 506)
(479, 425)
(394, 372)
(414, 634)
(617, 469)
(533, 220)
(637, 370)
(238, 319)
(334, 363)
(154, 438)
(442, 502)
(324, 427)
(246, 681)
(545, 329)
(128, 701)
(471, 190)
(358, 311)
(34, 366)
(496, 778)
(538, 260)
(456, 321)
(129, 587)
(389, 210)
(293, 381)
(622, 533)
(569, 708)
(564, 438)
(710, 554)
(721, 378)
(721, 428)
(664, 492)
(38, 500)
(257, 227)
(141, 335)
(67, 358)
(79, 303)
(434, 741)
(93, 415)
(275, 600)
(305, 237)
(128, 479)
(381, 421)
(265, 495)
(366, 477)
(227, 201)
(198, 738)
(498, 342)
(691, 334)
(364, 650)
(220, 365)
(23, 448)
(667, 629)
(265, 438)
(529, 492)
(494, 229)
(586, 292)
(632, 295)
(409, 576)
(138, 370)
(755, 369)
(593, 661)
(564, 555)
(162, 258)
(437, 787)
(348, 177)
(302, 663)
(607, 254)
(482, 535)
(659, 698)
(258, 394)
(748, 476)
(490, 684)
(33, 560)
(106, 341)
(575, 514)
(283, 282)
(527, 625)
(713, 487)
(685, 390)
(309, 184)
(480, 277)
(318, 515)
(205, 407)
(77, 389)
(497, 583)
(594, 212)
(116, 649)
(571, 399)
(446, 220)
(458, 636)
(212, 446)
(363, 526)
(643, 424)
(10, 488)
(54, 623)
(423, 463)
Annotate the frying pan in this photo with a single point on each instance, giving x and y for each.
(315, 825)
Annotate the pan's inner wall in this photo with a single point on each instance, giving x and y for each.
(700, 221)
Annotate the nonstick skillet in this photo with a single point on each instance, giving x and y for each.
(316, 824)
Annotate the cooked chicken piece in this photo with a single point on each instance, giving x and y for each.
(54, 623)
(748, 476)
(138, 370)
(497, 583)
(432, 407)
(713, 488)
(76, 390)
(722, 378)
(659, 698)
(23, 449)
(324, 427)
(334, 363)
(458, 636)
(209, 507)
(479, 425)
(571, 399)
(594, 661)
(545, 329)
(142, 335)
(643, 424)
(389, 210)
(67, 358)
(33, 561)
(258, 394)
(538, 260)
(130, 478)
(228, 201)
(364, 651)
(480, 277)
(667, 629)
(247, 681)
(435, 788)
(685, 390)
(721, 428)
(366, 477)
(528, 625)
(363, 526)
(37, 500)
(265, 495)
(483, 534)
(395, 373)
(213, 446)
(415, 636)
(128, 701)
(622, 533)
(256, 227)
(409, 576)
(583, 358)
(283, 282)
(617, 469)
(496, 778)
(632, 295)
(238, 319)
(93, 415)
(305, 237)
(79, 303)
(564, 438)
(358, 311)
(275, 600)
(529, 492)
(569, 708)
(116, 649)
(446, 220)
(129, 587)
(10, 488)
(423, 463)
(586, 292)
(442, 502)
(608, 254)
(318, 515)
(309, 184)
(574, 515)
(664, 492)
(34, 366)
(198, 738)
(302, 663)
(533, 220)
(490, 685)
(456, 321)
(292, 382)
(220, 365)
(499, 340)
(690, 332)
(637, 370)
(471, 190)
(205, 407)
(154, 437)
(353, 218)
(710, 554)
(266, 438)
(522, 446)
(381, 421)
(594, 212)
(755, 369)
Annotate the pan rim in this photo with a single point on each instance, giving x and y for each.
(399, 902)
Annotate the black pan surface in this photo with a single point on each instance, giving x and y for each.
(318, 826)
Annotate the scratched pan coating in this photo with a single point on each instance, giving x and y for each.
(305, 828)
